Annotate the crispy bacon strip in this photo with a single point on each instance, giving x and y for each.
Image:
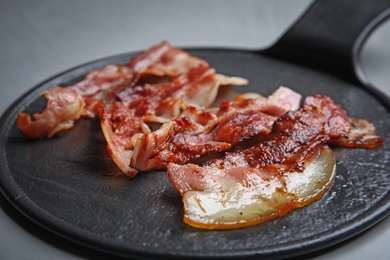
(362, 134)
(177, 141)
(296, 136)
(192, 90)
(186, 140)
(64, 107)
(150, 99)
(118, 126)
(67, 105)
(197, 87)
(173, 142)
(102, 85)
(318, 122)
(165, 60)
(289, 168)
(282, 100)
(252, 185)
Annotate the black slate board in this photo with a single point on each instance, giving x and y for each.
(67, 185)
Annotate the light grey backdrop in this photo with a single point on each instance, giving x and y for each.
(44, 37)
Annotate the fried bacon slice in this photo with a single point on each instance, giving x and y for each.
(63, 108)
(102, 86)
(105, 84)
(118, 126)
(183, 81)
(67, 105)
(165, 60)
(148, 104)
(197, 87)
(259, 175)
(281, 101)
(200, 133)
(362, 134)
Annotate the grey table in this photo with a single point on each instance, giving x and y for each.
(41, 38)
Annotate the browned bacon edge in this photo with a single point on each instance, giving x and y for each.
(64, 107)
(295, 138)
(249, 185)
(103, 85)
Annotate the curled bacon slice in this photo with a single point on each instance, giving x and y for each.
(197, 87)
(64, 107)
(119, 125)
(186, 140)
(165, 60)
(102, 85)
(173, 142)
(251, 185)
(192, 91)
(362, 134)
(103, 81)
(67, 105)
(281, 101)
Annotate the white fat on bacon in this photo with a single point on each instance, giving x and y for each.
(216, 198)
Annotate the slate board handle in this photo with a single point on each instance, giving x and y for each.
(330, 35)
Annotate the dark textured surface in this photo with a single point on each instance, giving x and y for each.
(67, 183)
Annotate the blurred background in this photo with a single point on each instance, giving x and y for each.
(41, 38)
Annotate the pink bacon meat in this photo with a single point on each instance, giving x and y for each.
(186, 140)
(64, 107)
(163, 104)
(103, 85)
(296, 139)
